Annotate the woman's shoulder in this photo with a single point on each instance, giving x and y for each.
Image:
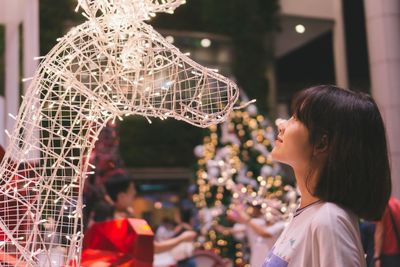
(335, 231)
(332, 216)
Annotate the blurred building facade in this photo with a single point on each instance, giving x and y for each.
(17, 16)
(383, 31)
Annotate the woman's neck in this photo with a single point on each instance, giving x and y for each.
(303, 178)
(307, 199)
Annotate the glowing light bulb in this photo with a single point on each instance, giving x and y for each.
(300, 28)
(170, 39)
(205, 42)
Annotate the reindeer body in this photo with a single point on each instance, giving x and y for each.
(107, 67)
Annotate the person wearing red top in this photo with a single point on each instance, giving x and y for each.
(387, 236)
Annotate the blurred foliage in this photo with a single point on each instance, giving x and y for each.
(55, 17)
(248, 23)
(167, 143)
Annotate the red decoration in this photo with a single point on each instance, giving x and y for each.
(119, 243)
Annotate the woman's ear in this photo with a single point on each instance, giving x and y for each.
(321, 146)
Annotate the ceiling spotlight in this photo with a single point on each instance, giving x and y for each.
(300, 28)
(170, 39)
(205, 42)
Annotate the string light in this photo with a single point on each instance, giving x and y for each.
(81, 84)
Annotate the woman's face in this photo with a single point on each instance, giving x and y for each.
(292, 146)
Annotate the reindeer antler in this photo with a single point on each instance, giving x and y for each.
(139, 10)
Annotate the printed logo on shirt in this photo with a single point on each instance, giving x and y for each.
(274, 261)
(291, 242)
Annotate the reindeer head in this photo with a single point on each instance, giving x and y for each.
(134, 70)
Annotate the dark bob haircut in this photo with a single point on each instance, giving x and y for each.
(117, 183)
(356, 174)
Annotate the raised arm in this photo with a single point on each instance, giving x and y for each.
(161, 246)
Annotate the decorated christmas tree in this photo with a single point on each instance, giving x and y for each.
(235, 166)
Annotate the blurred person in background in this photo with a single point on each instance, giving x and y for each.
(387, 236)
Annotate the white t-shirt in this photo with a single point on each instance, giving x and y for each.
(163, 233)
(258, 244)
(320, 235)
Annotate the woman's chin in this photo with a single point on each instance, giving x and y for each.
(277, 156)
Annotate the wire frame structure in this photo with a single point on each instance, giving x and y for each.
(111, 66)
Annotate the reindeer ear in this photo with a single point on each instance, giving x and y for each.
(167, 6)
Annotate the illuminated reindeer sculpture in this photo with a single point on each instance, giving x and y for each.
(111, 66)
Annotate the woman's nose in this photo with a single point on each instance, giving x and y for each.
(281, 123)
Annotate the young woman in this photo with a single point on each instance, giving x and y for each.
(335, 142)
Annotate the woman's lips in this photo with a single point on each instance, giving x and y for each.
(279, 139)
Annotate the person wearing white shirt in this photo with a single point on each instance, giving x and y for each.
(335, 142)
